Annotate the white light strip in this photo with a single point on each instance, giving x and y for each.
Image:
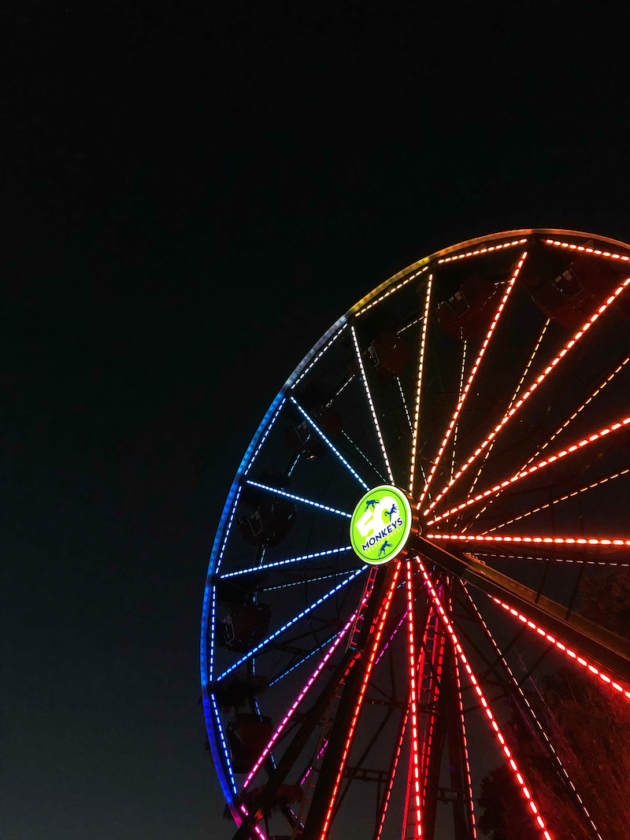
(404, 402)
(325, 439)
(391, 291)
(371, 404)
(274, 491)
(319, 355)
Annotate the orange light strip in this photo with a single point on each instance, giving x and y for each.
(581, 408)
(495, 726)
(540, 540)
(498, 488)
(483, 251)
(416, 421)
(413, 703)
(391, 291)
(473, 372)
(376, 638)
(527, 394)
(572, 654)
(557, 501)
(586, 250)
(526, 702)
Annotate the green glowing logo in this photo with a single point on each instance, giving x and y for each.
(380, 524)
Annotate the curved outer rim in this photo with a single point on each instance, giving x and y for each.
(215, 733)
(403, 543)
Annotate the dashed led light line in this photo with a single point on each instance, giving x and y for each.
(414, 770)
(391, 291)
(517, 687)
(419, 380)
(326, 347)
(576, 657)
(368, 394)
(264, 437)
(557, 501)
(471, 377)
(461, 386)
(483, 251)
(330, 445)
(495, 726)
(462, 722)
(554, 559)
(534, 540)
(527, 394)
(404, 402)
(552, 459)
(311, 556)
(277, 492)
(286, 626)
(584, 249)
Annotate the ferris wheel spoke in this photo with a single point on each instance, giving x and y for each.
(283, 723)
(393, 767)
(419, 383)
(575, 414)
(568, 560)
(368, 395)
(538, 465)
(568, 652)
(469, 382)
(381, 297)
(276, 492)
(363, 456)
(470, 801)
(564, 498)
(316, 355)
(414, 769)
(519, 778)
(532, 389)
(529, 711)
(267, 641)
(329, 443)
(537, 541)
(343, 550)
(267, 425)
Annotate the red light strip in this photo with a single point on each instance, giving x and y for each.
(376, 638)
(588, 250)
(473, 372)
(524, 699)
(416, 420)
(495, 726)
(576, 657)
(482, 251)
(368, 394)
(498, 488)
(581, 408)
(471, 801)
(561, 499)
(413, 704)
(391, 291)
(532, 388)
(392, 775)
(432, 659)
(542, 540)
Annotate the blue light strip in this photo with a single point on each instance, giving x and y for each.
(289, 560)
(325, 439)
(264, 437)
(225, 749)
(276, 492)
(227, 530)
(266, 641)
(304, 658)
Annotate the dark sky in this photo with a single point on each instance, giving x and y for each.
(191, 195)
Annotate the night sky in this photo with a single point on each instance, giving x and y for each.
(191, 195)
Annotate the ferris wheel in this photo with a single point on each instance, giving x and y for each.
(404, 541)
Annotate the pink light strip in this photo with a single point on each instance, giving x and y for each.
(473, 372)
(333, 647)
(588, 250)
(482, 251)
(413, 703)
(532, 388)
(576, 657)
(495, 726)
(534, 468)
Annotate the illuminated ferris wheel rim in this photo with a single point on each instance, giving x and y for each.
(473, 247)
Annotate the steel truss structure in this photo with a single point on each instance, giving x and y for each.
(490, 381)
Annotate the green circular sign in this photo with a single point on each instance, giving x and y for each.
(380, 524)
